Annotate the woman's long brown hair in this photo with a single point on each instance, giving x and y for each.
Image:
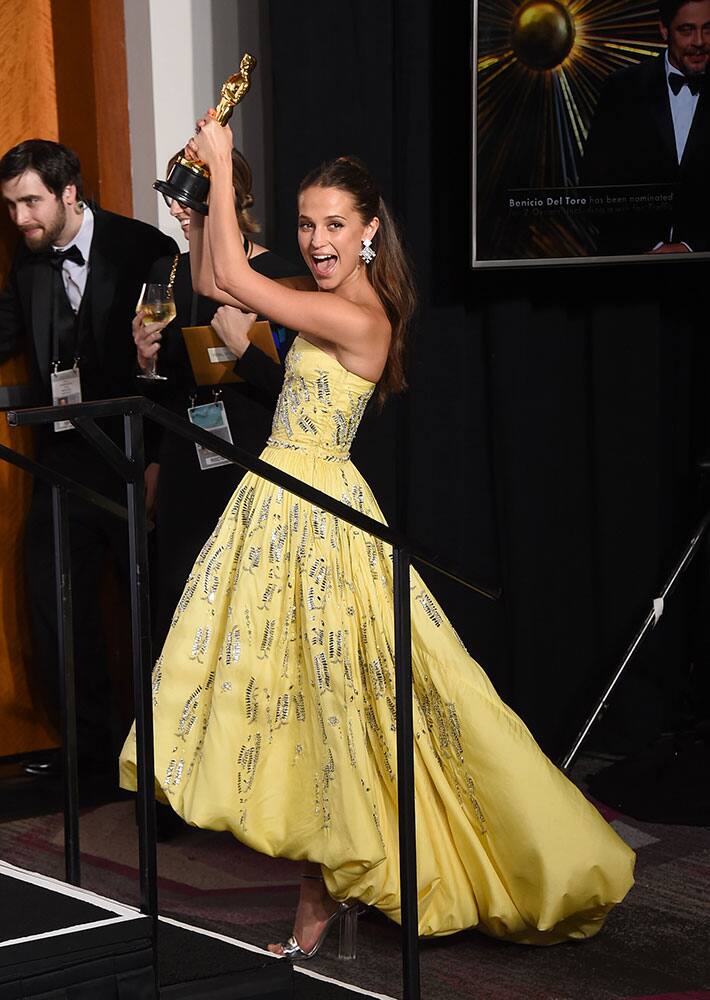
(390, 273)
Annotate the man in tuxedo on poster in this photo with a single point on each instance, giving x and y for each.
(69, 302)
(650, 141)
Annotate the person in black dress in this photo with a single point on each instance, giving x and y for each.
(186, 501)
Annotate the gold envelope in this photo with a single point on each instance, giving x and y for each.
(208, 355)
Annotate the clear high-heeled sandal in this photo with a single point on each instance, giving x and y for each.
(346, 916)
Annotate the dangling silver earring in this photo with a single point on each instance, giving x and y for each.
(367, 253)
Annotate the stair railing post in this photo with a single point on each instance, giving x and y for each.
(142, 663)
(405, 775)
(67, 684)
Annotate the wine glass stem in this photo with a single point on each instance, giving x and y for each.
(151, 368)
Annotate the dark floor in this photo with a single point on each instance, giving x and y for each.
(656, 945)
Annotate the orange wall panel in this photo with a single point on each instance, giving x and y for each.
(92, 96)
(28, 110)
(111, 87)
(63, 77)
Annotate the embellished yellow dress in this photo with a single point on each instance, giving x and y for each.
(274, 709)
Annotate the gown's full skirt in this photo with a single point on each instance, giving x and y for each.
(274, 710)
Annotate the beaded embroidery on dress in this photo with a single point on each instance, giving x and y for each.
(274, 709)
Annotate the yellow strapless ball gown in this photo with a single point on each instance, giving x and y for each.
(274, 709)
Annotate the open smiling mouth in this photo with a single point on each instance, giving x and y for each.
(324, 263)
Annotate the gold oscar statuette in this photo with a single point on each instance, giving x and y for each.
(189, 180)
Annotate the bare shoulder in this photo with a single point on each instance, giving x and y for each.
(364, 355)
(368, 364)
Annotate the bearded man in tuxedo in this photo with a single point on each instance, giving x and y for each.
(69, 303)
(650, 143)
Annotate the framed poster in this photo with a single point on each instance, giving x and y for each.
(591, 131)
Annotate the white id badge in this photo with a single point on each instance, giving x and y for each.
(66, 388)
(211, 417)
(220, 354)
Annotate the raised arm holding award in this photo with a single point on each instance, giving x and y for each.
(189, 180)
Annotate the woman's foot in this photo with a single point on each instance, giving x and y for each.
(314, 910)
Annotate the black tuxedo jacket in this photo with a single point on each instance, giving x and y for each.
(122, 252)
(632, 143)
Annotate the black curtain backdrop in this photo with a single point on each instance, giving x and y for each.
(555, 416)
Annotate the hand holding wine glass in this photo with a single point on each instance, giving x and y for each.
(147, 338)
(156, 308)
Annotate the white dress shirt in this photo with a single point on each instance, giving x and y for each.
(683, 105)
(75, 275)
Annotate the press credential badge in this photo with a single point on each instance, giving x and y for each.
(66, 388)
(211, 417)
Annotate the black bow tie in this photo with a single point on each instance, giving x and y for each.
(57, 257)
(677, 81)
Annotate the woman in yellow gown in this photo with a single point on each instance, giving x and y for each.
(274, 703)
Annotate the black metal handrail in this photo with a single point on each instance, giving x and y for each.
(98, 409)
(131, 465)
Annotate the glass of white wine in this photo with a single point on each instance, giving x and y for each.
(158, 305)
